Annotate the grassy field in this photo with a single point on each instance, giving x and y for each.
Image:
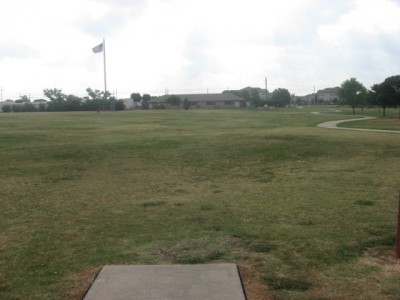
(307, 213)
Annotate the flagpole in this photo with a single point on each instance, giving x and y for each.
(105, 73)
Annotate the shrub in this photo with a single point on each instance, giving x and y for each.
(42, 107)
(16, 108)
(29, 107)
(6, 108)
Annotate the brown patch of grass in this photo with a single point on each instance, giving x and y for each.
(253, 283)
(385, 258)
(82, 282)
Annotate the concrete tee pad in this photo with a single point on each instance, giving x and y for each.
(167, 282)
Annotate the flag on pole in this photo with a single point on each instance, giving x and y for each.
(99, 48)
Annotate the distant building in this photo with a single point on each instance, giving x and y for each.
(308, 99)
(223, 100)
(325, 96)
(328, 96)
(129, 103)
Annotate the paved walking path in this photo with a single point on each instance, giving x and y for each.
(333, 125)
(168, 282)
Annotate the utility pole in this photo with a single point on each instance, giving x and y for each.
(1, 94)
(266, 90)
(105, 72)
(315, 96)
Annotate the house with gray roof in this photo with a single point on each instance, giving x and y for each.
(222, 100)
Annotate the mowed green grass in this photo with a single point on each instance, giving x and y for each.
(310, 213)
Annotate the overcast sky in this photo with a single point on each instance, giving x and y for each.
(194, 45)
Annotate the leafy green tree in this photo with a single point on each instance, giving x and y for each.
(390, 92)
(249, 94)
(186, 104)
(352, 93)
(23, 99)
(96, 100)
(54, 94)
(42, 107)
(255, 99)
(29, 107)
(145, 103)
(119, 105)
(57, 99)
(72, 103)
(96, 94)
(146, 97)
(383, 95)
(136, 97)
(280, 98)
(173, 100)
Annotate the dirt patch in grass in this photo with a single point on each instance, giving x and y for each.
(383, 257)
(253, 283)
(82, 282)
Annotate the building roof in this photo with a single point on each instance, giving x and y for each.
(329, 90)
(201, 97)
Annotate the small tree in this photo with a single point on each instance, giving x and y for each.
(72, 103)
(119, 105)
(255, 99)
(145, 101)
(186, 104)
(146, 97)
(389, 92)
(42, 107)
(352, 93)
(57, 99)
(136, 97)
(280, 98)
(173, 100)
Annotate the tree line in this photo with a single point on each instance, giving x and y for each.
(351, 92)
(279, 98)
(137, 97)
(385, 94)
(58, 101)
